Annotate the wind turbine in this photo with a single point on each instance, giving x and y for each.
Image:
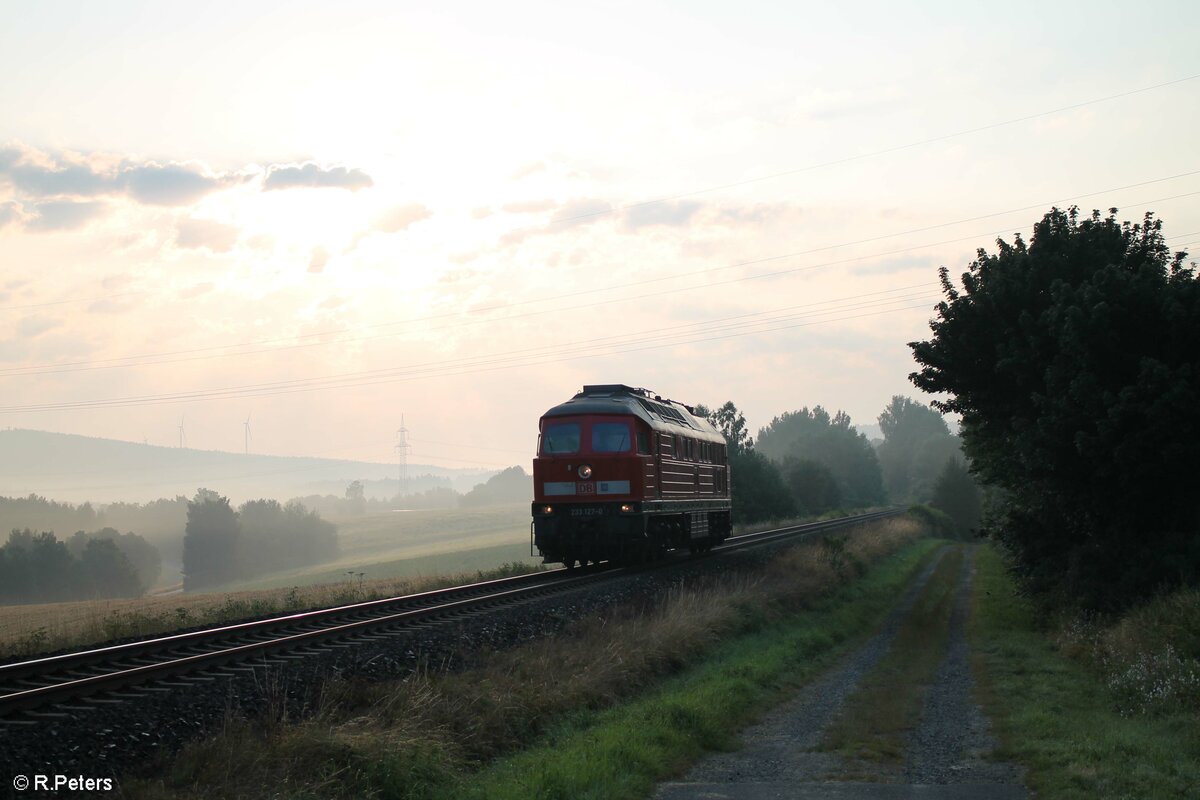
(181, 433)
(249, 436)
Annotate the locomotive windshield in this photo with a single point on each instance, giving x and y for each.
(561, 438)
(610, 437)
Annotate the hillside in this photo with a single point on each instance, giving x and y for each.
(75, 469)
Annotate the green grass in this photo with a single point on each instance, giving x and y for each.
(623, 751)
(687, 670)
(879, 716)
(1055, 717)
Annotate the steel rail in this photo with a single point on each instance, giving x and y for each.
(805, 529)
(243, 652)
(234, 644)
(143, 647)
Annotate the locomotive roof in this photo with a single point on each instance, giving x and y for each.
(661, 414)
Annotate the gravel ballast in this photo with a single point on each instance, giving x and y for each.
(126, 732)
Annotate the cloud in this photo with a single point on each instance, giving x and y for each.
(63, 215)
(79, 181)
(113, 305)
(897, 264)
(29, 327)
(320, 257)
(9, 212)
(670, 213)
(196, 290)
(196, 233)
(312, 176)
(171, 184)
(757, 214)
(482, 212)
(117, 280)
(333, 302)
(41, 176)
(399, 218)
(570, 214)
(528, 169)
(529, 207)
(581, 212)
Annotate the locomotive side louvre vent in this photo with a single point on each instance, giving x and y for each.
(664, 412)
(673, 414)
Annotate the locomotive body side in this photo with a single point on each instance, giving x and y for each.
(624, 475)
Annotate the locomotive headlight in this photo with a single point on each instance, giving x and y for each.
(547, 509)
(626, 508)
(585, 471)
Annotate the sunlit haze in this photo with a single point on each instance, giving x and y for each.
(321, 217)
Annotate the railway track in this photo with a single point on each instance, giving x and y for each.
(173, 663)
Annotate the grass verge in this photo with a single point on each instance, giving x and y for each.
(1057, 718)
(878, 717)
(622, 701)
(29, 630)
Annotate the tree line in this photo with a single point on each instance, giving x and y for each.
(808, 462)
(39, 568)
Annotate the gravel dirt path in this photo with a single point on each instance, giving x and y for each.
(946, 754)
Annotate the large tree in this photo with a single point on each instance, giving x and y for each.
(731, 423)
(756, 485)
(1074, 363)
(211, 542)
(916, 444)
(831, 442)
(956, 494)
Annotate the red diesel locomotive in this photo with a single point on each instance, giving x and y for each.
(622, 474)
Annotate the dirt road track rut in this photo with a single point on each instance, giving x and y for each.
(947, 753)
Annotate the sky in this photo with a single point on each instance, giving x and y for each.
(320, 222)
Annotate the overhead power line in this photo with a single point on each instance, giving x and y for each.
(547, 303)
(634, 343)
(470, 365)
(876, 153)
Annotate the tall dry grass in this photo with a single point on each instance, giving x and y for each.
(510, 697)
(28, 630)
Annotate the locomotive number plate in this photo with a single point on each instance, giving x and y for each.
(585, 488)
(587, 512)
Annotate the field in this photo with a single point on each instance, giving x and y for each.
(395, 553)
(410, 544)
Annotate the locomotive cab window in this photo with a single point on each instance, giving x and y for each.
(562, 437)
(643, 443)
(610, 437)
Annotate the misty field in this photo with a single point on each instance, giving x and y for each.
(421, 542)
(396, 553)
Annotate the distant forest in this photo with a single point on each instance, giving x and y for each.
(809, 462)
(37, 567)
(60, 551)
